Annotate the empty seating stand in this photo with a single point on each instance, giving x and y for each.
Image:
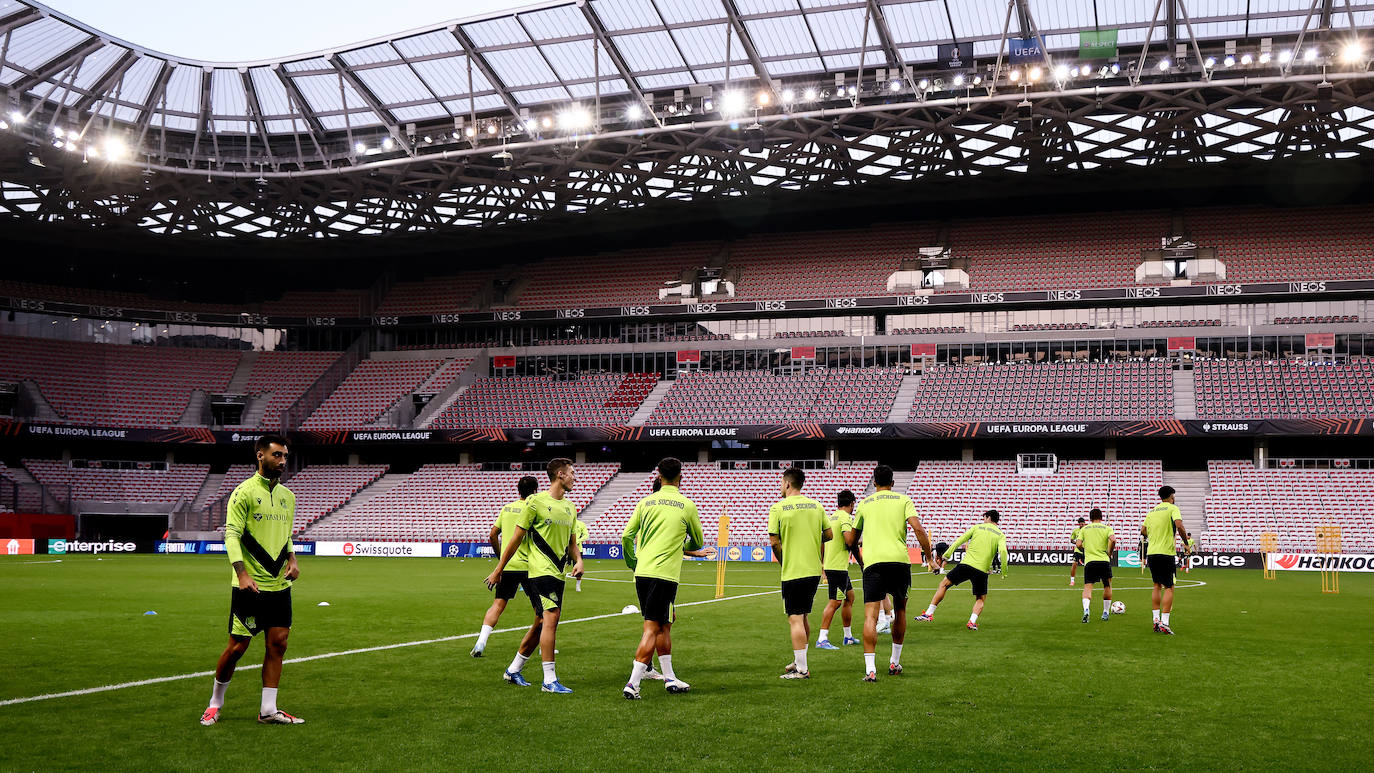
(372, 388)
(591, 400)
(1283, 389)
(321, 489)
(179, 482)
(845, 395)
(1247, 503)
(626, 277)
(824, 264)
(1072, 391)
(116, 385)
(1037, 512)
(447, 502)
(283, 377)
(744, 495)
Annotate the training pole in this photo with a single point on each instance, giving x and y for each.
(1329, 544)
(722, 544)
(1269, 544)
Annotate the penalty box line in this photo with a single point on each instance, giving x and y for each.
(342, 653)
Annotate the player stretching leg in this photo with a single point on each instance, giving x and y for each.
(798, 529)
(1097, 541)
(665, 524)
(1160, 527)
(547, 521)
(984, 541)
(517, 572)
(1077, 551)
(881, 521)
(837, 552)
(257, 537)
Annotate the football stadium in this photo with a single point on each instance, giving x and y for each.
(812, 384)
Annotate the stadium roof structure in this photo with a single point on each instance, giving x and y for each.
(582, 106)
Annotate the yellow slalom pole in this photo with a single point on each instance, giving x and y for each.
(722, 544)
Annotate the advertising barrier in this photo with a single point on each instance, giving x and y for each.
(68, 546)
(216, 547)
(1321, 562)
(380, 549)
(16, 547)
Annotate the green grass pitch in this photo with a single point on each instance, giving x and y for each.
(1263, 674)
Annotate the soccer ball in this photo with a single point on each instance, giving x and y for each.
(1118, 608)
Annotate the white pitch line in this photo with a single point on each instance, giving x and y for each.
(358, 651)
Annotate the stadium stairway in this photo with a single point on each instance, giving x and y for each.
(238, 383)
(425, 418)
(207, 490)
(1185, 395)
(901, 407)
(42, 409)
(901, 481)
(381, 486)
(623, 483)
(197, 408)
(1191, 488)
(651, 402)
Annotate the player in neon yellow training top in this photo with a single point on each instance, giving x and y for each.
(836, 566)
(984, 541)
(517, 572)
(257, 537)
(881, 521)
(1077, 551)
(663, 525)
(1185, 563)
(1160, 526)
(547, 524)
(1096, 541)
(797, 528)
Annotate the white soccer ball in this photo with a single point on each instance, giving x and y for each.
(1118, 607)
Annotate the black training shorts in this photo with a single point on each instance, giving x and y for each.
(1098, 571)
(1161, 569)
(1078, 556)
(839, 582)
(977, 578)
(510, 583)
(656, 597)
(545, 592)
(887, 578)
(252, 613)
(798, 595)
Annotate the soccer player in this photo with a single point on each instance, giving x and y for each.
(1160, 526)
(257, 537)
(1096, 541)
(1074, 539)
(984, 541)
(664, 524)
(517, 572)
(881, 521)
(579, 534)
(797, 528)
(547, 522)
(837, 552)
(1184, 562)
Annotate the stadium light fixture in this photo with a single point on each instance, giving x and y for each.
(1285, 56)
(634, 113)
(491, 128)
(388, 143)
(17, 117)
(1034, 74)
(1165, 64)
(115, 149)
(732, 103)
(1014, 75)
(763, 98)
(958, 80)
(575, 118)
(809, 95)
(546, 122)
(1086, 70)
(977, 80)
(1310, 55)
(429, 140)
(1209, 62)
(895, 85)
(1229, 61)
(359, 148)
(470, 132)
(58, 132)
(853, 91)
(1353, 52)
(1116, 68)
(789, 96)
(4, 124)
(93, 151)
(1246, 59)
(1061, 72)
(923, 84)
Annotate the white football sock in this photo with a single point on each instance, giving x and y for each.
(1155, 614)
(665, 666)
(869, 657)
(269, 701)
(549, 676)
(518, 663)
(973, 618)
(482, 638)
(1165, 618)
(1086, 602)
(1106, 605)
(579, 584)
(798, 657)
(217, 696)
(824, 635)
(896, 654)
(930, 610)
(637, 673)
(848, 632)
